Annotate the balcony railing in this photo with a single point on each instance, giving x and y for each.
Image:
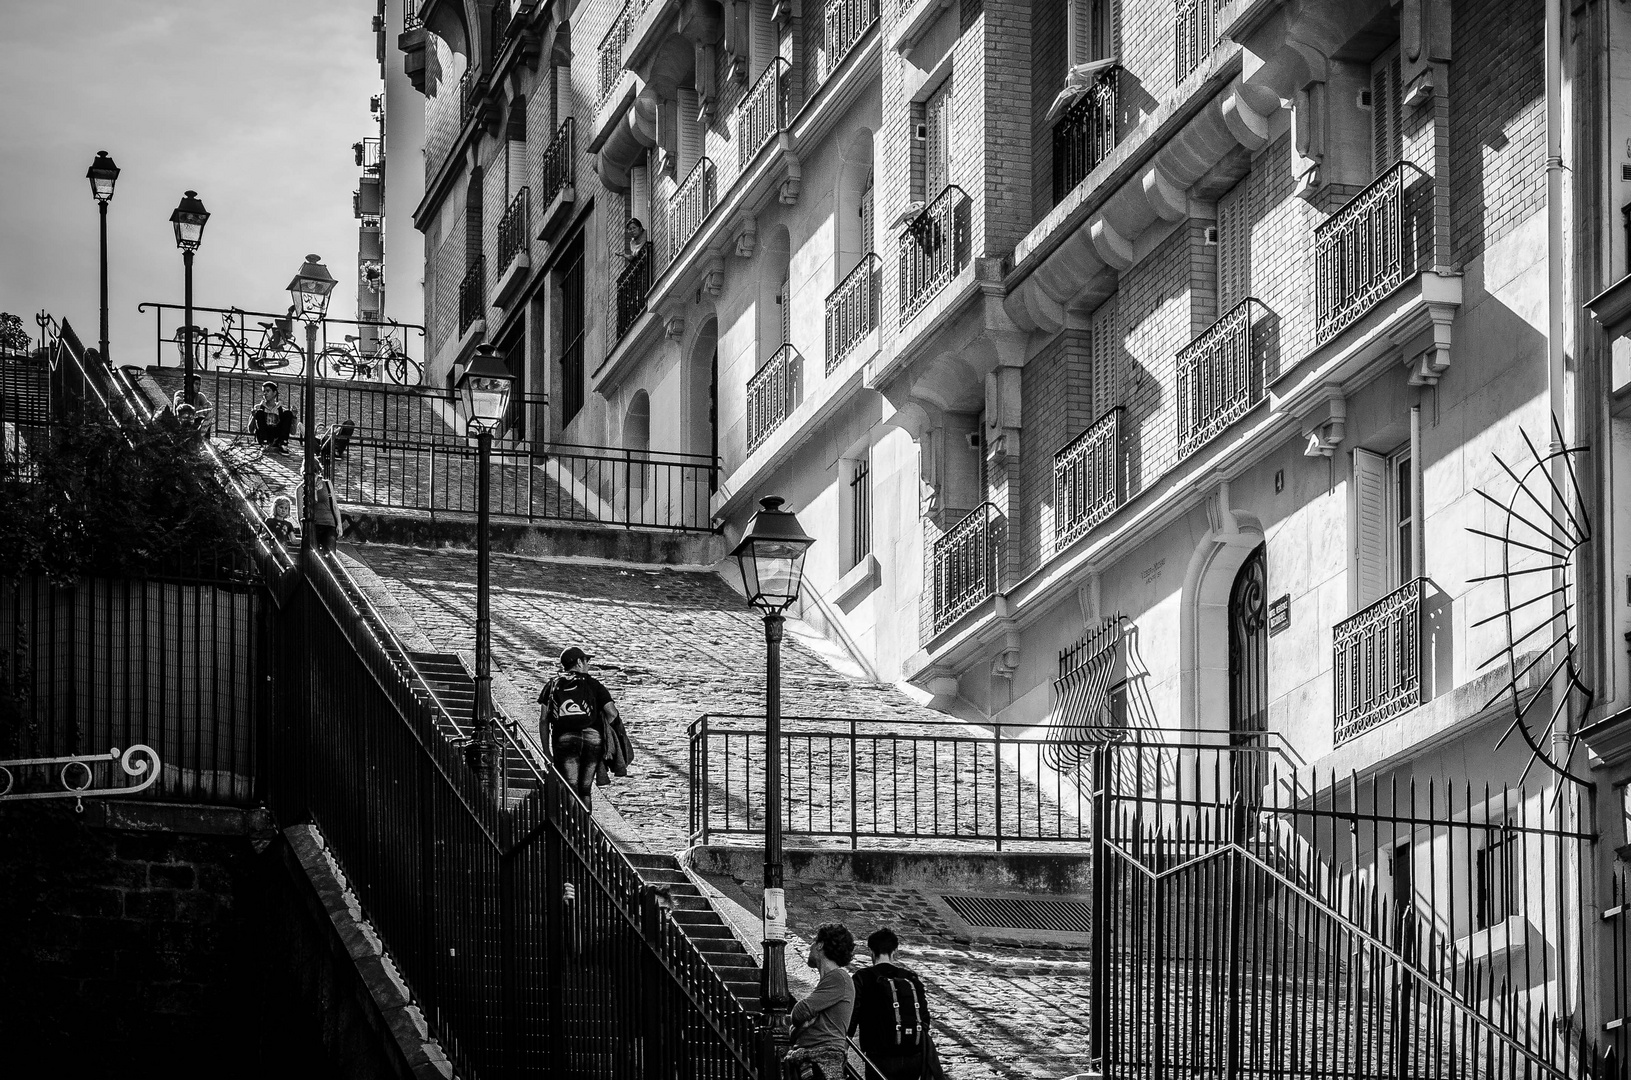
(1377, 662)
(763, 111)
(1195, 35)
(369, 153)
(1220, 378)
(852, 309)
(1366, 249)
(512, 230)
(1085, 134)
(1087, 479)
(501, 23)
(967, 564)
(846, 23)
(690, 205)
(632, 286)
(611, 48)
(473, 294)
(410, 15)
(933, 249)
(773, 394)
(557, 171)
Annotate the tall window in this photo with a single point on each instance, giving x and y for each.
(1403, 517)
(860, 500)
(1384, 517)
(1088, 29)
(1497, 879)
(572, 332)
(935, 136)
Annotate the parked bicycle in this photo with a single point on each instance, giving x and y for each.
(277, 350)
(387, 361)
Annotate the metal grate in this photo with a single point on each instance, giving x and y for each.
(1022, 913)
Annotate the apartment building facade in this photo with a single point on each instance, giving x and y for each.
(1240, 328)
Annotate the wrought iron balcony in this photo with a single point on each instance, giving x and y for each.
(557, 171)
(690, 205)
(1367, 249)
(763, 111)
(852, 309)
(512, 230)
(632, 286)
(933, 249)
(1085, 134)
(369, 154)
(611, 48)
(1195, 35)
(470, 91)
(967, 564)
(410, 15)
(1087, 479)
(1377, 664)
(501, 23)
(773, 394)
(1220, 378)
(473, 294)
(846, 21)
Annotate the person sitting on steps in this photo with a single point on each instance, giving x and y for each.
(272, 422)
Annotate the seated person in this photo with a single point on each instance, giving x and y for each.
(272, 422)
(280, 523)
(335, 443)
(187, 418)
(203, 407)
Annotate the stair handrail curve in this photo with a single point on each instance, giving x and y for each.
(1432, 985)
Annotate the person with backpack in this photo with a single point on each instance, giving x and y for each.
(892, 1016)
(573, 721)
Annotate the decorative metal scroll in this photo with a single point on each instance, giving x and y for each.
(76, 777)
(1543, 527)
(1085, 673)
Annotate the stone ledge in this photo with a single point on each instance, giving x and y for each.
(1057, 873)
(191, 818)
(649, 547)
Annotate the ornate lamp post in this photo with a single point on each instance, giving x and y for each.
(771, 556)
(188, 220)
(484, 393)
(102, 174)
(310, 290)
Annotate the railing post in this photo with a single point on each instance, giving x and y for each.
(996, 764)
(854, 819)
(1099, 969)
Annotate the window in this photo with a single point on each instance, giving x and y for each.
(1234, 241)
(572, 333)
(1403, 483)
(1384, 517)
(1497, 879)
(860, 501)
(1088, 29)
(937, 136)
(784, 300)
(868, 215)
(1387, 112)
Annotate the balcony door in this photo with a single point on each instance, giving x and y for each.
(1249, 672)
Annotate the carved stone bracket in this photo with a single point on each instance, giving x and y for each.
(1326, 426)
(713, 276)
(747, 237)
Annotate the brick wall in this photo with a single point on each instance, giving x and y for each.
(1056, 400)
(1282, 251)
(1007, 112)
(1153, 306)
(1047, 64)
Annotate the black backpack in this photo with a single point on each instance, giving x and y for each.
(572, 704)
(895, 1013)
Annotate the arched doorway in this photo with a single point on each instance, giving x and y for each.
(1249, 671)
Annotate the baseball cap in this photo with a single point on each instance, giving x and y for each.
(570, 656)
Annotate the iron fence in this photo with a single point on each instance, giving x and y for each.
(473, 294)
(633, 285)
(1085, 134)
(1220, 378)
(274, 343)
(513, 230)
(763, 111)
(1087, 485)
(934, 248)
(1376, 669)
(845, 22)
(852, 309)
(558, 168)
(967, 564)
(690, 206)
(1367, 249)
(1195, 34)
(531, 943)
(773, 393)
(611, 48)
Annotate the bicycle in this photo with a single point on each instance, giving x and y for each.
(277, 351)
(386, 361)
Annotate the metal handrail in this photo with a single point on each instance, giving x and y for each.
(633, 285)
(1085, 133)
(852, 309)
(1220, 377)
(845, 23)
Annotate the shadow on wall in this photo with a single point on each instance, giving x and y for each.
(1437, 642)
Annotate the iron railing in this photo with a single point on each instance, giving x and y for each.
(763, 111)
(632, 286)
(773, 393)
(501, 24)
(410, 15)
(967, 564)
(370, 154)
(1220, 378)
(845, 23)
(1617, 916)
(934, 248)
(1367, 249)
(852, 309)
(1087, 485)
(1085, 134)
(693, 200)
(513, 230)
(473, 294)
(1376, 667)
(470, 93)
(611, 48)
(558, 168)
(274, 343)
(1195, 35)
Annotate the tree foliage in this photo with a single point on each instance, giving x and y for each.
(13, 336)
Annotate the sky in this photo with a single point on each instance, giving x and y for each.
(254, 105)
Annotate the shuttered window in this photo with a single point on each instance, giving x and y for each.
(1387, 112)
(690, 131)
(1104, 351)
(1234, 248)
(784, 300)
(867, 217)
(1372, 542)
(1088, 30)
(937, 159)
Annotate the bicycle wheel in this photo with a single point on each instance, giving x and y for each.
(335, 362)
(278, 358)
(400, 369)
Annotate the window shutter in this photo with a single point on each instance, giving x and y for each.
(1387, 112)
(639, 196)
(690, 131)
(937, 114)
(1079, 41)
(1106, 385)
(1234, 248)
(1370, 527)
(764, 38)
(867, 218)
(785, 300)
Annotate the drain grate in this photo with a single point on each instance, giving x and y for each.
(1023, 913)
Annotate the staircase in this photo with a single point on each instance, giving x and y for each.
(702, 924)
(454, 690)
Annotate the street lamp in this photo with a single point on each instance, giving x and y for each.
(188, 220)
(771, 557)
(102, 174)
(310, 291)
(484, 391)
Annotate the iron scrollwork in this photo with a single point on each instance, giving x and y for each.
(76, 777)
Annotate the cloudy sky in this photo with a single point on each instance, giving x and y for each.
(254, 105)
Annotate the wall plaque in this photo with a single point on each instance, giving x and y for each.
(1279, 613)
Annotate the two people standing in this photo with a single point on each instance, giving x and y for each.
(580, 723)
